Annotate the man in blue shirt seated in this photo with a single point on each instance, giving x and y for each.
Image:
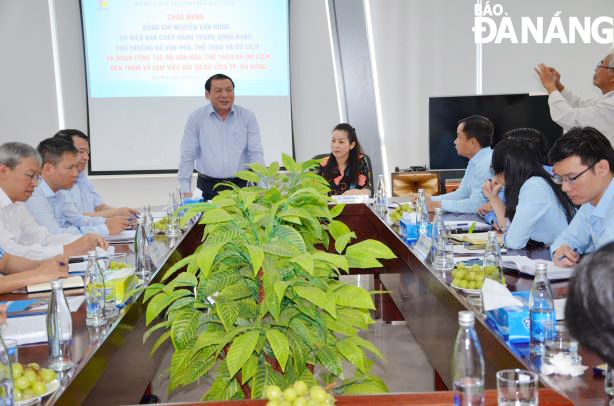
(473, 139)
(583, 162)
(84, 195)
(51, 204)
(218, 140)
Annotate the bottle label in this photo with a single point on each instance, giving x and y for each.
(542, 326)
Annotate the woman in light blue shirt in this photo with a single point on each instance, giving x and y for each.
(536, 208)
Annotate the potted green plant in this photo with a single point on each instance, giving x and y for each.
(259, 301)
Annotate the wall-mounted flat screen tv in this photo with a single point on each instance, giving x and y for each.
(506, 111)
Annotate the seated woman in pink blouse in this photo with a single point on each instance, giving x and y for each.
(346, 169)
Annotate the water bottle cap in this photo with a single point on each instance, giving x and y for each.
(139, 220)
(91, 253)
(541, 266)
(492, 234)
(437, 210)
(466, 317)
(57, 284)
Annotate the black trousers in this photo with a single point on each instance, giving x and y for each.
(206, 184)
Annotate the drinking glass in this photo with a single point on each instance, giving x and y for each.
(12, 350)
(562, 343)
(517, 387)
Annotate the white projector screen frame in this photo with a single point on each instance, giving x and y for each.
(142, 133)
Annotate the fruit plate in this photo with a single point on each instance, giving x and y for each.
(51, 386)
(467, 291)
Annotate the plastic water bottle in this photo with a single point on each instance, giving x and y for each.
(542, 315)
(94, 292)
(59, 329)
(142, 268)
(6, 377)
(492, 257)
(380, 197)
(439, 226)
(422, 215)
(148, 223)
(467, 363)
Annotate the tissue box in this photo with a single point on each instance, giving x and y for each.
(512, 322)
(123, 280)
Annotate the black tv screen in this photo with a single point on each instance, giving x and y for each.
(507, 112)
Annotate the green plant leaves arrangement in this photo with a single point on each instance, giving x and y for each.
(259, 301)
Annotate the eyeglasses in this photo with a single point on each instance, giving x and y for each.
(570, 179)
(32, 177)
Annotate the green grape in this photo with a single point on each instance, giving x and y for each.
(313, 402)
(471, 276)
(272, 392)
(290, 395)
(300, 387)
(284, 403)
(47, 374)
(300, 401)
(39, 388)
(17, 370)
(273, 403)
(318, 393)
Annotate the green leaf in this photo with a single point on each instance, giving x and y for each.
(367, 387)
(249, 369)
(270, 276)
(318, 297)
(218, 281)
(256, 256)
(228, 313)
(240, 351)
(362, 260)
(337, 260)
(176, 266)
(280, 289)
(368, 345)
(236, 291)
(151, 291)
(160, 302)
(194, 370)
(247, 197)
(206, 257)
(223, 387)
(264, 377)
(352, 353)
(335, 211)
(305, 261)
(289, 235)
(224, 233)
(280, 346)
(337, 229)
(160, 341)
(290, 163)
(206, 339)
(179, 303)
(184, 328)
(155, 328)
(329, 357)
(353, 296)
(372, 247)
(308, 378)
(179, 360)
(215, 216)
(185, 279)
(356, 317)
(259, 169)
(280, 248)
(300, 351)
(343, 241)
(273, 169)
(339, 325)
(248, 176)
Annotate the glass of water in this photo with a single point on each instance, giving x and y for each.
(12, 350)
(562, 344)
(608, 382)
(517, 387)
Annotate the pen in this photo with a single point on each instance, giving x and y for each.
(563, 256)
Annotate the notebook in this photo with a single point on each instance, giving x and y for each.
(26, 330)
(69, 283)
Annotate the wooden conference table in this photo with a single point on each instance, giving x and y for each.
(114, 366)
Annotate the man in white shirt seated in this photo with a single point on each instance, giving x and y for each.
(20, 234)
(583, 162)
(87, 201)
(473, 139)
(51, 204)
(569, 111)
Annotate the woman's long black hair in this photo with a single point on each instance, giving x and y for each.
(518, 162)
(353, 164)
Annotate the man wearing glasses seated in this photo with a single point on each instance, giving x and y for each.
(583, 162)
(569, 111)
